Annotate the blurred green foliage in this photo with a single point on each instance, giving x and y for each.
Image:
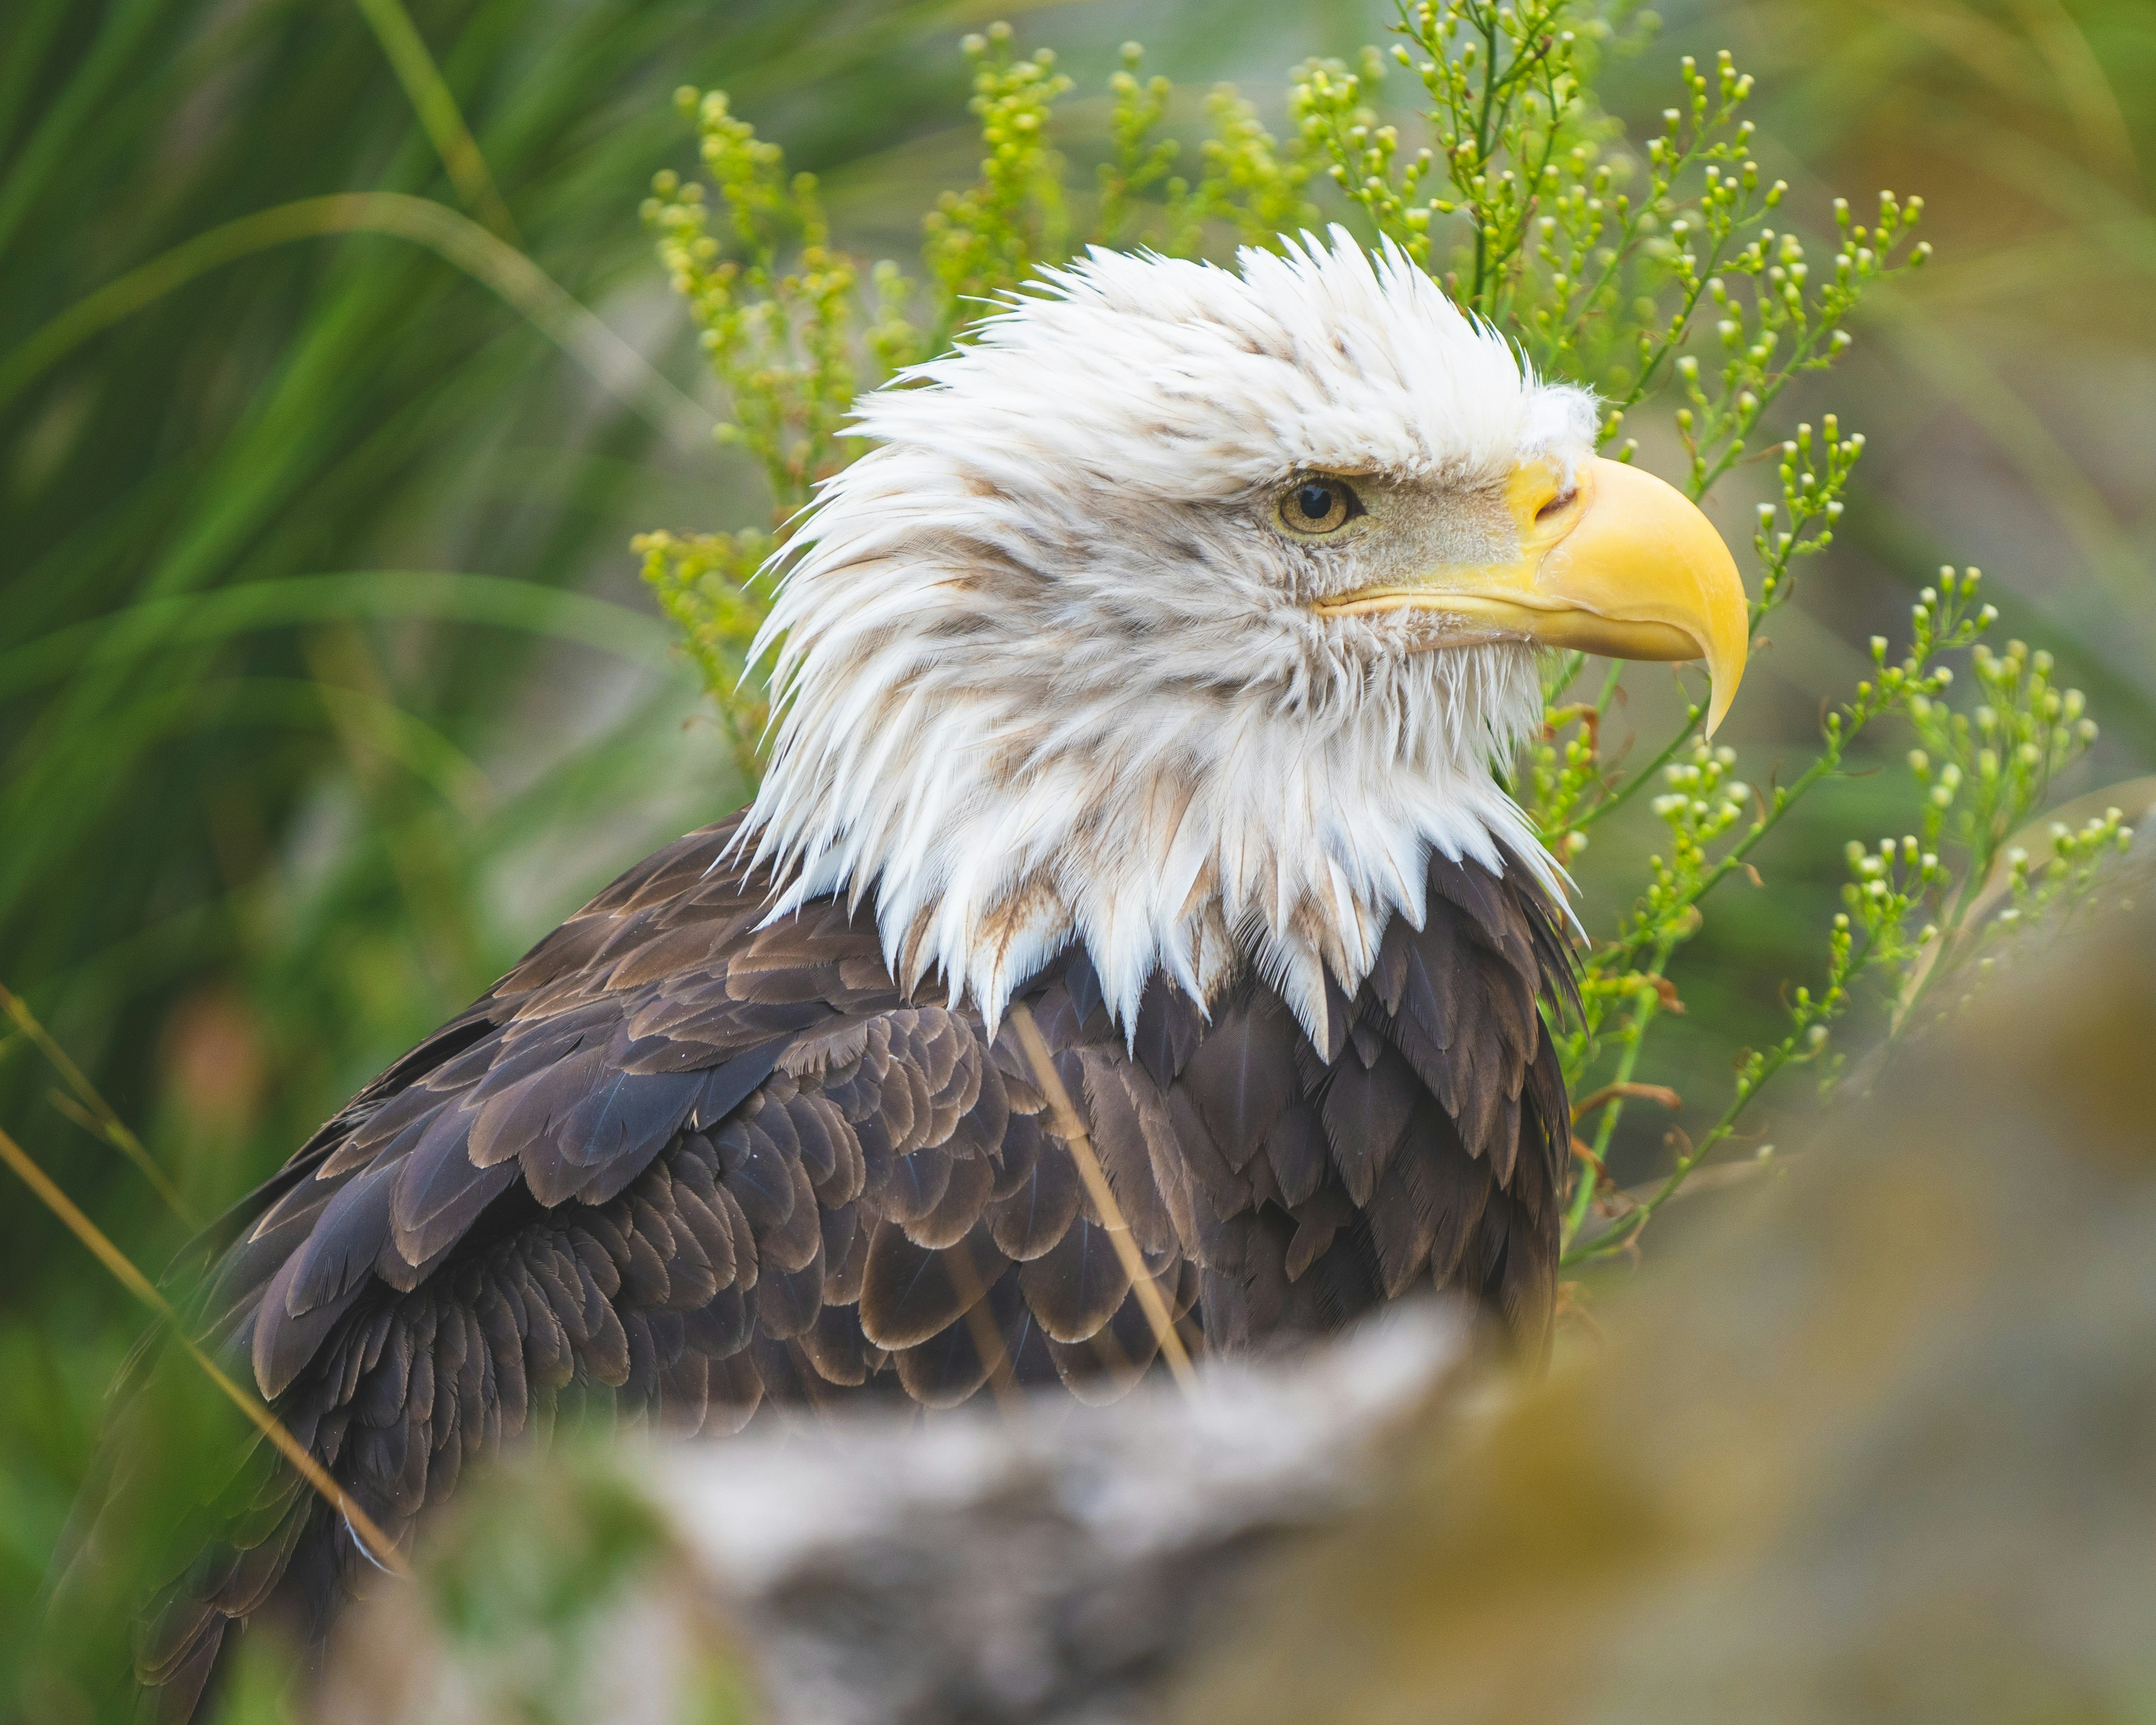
(325, 686)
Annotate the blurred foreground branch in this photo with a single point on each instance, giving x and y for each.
(1047, 1561)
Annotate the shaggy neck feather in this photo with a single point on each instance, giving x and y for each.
(1166, 831)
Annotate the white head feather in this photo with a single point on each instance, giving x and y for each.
(1047, 670)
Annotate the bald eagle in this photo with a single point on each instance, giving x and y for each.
(1142, 685)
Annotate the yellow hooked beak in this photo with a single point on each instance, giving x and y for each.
(1625, 566)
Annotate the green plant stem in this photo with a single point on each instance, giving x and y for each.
(1828, 761)
(431, 100)
(1623, 794)
(1482, 150)
(1632, 1038)
(456, 239)
(1801, 358)
(1628, 1226)
(1679, 326)
(1787, 1052)
(496, 601)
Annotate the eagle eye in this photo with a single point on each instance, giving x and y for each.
(1318, 505)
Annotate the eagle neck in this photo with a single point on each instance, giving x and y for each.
(1200, 838)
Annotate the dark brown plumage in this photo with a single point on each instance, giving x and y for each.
(689, 1164)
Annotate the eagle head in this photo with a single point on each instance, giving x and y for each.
(1182, 611)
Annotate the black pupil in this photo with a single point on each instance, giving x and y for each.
(1315, 501)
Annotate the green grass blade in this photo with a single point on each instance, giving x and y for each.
(437, 109)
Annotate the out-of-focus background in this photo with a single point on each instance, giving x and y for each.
(326, 682)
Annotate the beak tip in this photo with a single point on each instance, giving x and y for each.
(1722, 694)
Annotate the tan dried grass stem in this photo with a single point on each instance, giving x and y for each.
(92, 1113)
(1072, 1131)
(377, 1543)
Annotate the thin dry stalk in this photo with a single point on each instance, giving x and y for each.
(376, 1543)
(1719, 1178)
(96, 1116)
(1660, 1094)
(987, 1340)
(1072, 1130)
